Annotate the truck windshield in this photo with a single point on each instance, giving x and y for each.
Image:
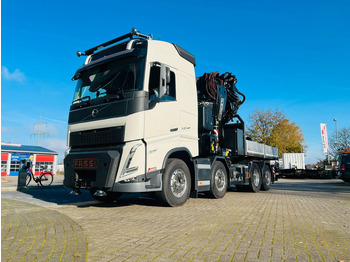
(111, 80)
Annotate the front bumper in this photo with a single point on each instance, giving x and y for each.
(100, 174)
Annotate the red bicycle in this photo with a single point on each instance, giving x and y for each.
(45, 178)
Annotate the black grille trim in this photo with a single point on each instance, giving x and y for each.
(97, 137)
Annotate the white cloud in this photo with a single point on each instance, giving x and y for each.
(55, 144)
(5, 130)
(17, 75)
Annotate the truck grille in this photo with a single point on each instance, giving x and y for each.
(97, 137)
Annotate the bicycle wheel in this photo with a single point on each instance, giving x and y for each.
(28, 179)
(46, 179)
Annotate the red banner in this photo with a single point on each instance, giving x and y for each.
(324, 138)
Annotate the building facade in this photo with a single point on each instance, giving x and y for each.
(42, 158)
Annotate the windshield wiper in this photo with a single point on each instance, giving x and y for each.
(82, 98)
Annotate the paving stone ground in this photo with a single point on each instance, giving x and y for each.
(33, 233)
(297, 220)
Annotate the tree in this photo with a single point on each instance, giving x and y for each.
(274, 129)
(261, 124)
(342, 143)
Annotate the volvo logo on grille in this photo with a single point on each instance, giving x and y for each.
(94, 113)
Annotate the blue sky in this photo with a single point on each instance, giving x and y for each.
(293, 56)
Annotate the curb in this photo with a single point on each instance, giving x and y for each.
(27, 188)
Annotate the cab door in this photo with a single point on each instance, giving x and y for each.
(162, 120)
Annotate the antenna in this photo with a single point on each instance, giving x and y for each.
(39, 132)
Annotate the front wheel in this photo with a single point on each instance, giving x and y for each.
(218, 183)
(46, 179)
(28, 179)
(176, 183)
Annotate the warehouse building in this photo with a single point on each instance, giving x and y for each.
(11, 155)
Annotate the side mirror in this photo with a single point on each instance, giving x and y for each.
(167, 69)
(164, 81)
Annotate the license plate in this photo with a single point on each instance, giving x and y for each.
(85, 163)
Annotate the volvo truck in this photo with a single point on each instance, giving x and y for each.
(140, 121)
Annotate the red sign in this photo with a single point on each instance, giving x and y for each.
(44, 158)
(4, 156)
(86, 163)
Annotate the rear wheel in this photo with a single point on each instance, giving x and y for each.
(266, 178)
(176, 183)
(255, 180)
(46, 179)
(218, 183)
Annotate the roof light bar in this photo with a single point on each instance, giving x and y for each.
(133, 32)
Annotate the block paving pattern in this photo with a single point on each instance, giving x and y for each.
(33, 233)
(297, 220)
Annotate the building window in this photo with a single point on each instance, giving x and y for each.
(3, 166)
(14, 166)
(43, 166)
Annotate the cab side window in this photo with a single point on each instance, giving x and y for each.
(172, 86)
(154, 83)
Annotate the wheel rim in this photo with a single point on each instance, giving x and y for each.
(267, 177)
(256, 178)
(178, 183)
(220, 180)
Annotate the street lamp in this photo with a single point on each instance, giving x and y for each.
(336, 133)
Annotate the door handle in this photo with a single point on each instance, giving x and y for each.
(174, 129)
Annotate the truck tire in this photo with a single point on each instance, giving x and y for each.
(218, 183)
(266, 178)
(176, 182)
(111, 196)
(255, 179)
